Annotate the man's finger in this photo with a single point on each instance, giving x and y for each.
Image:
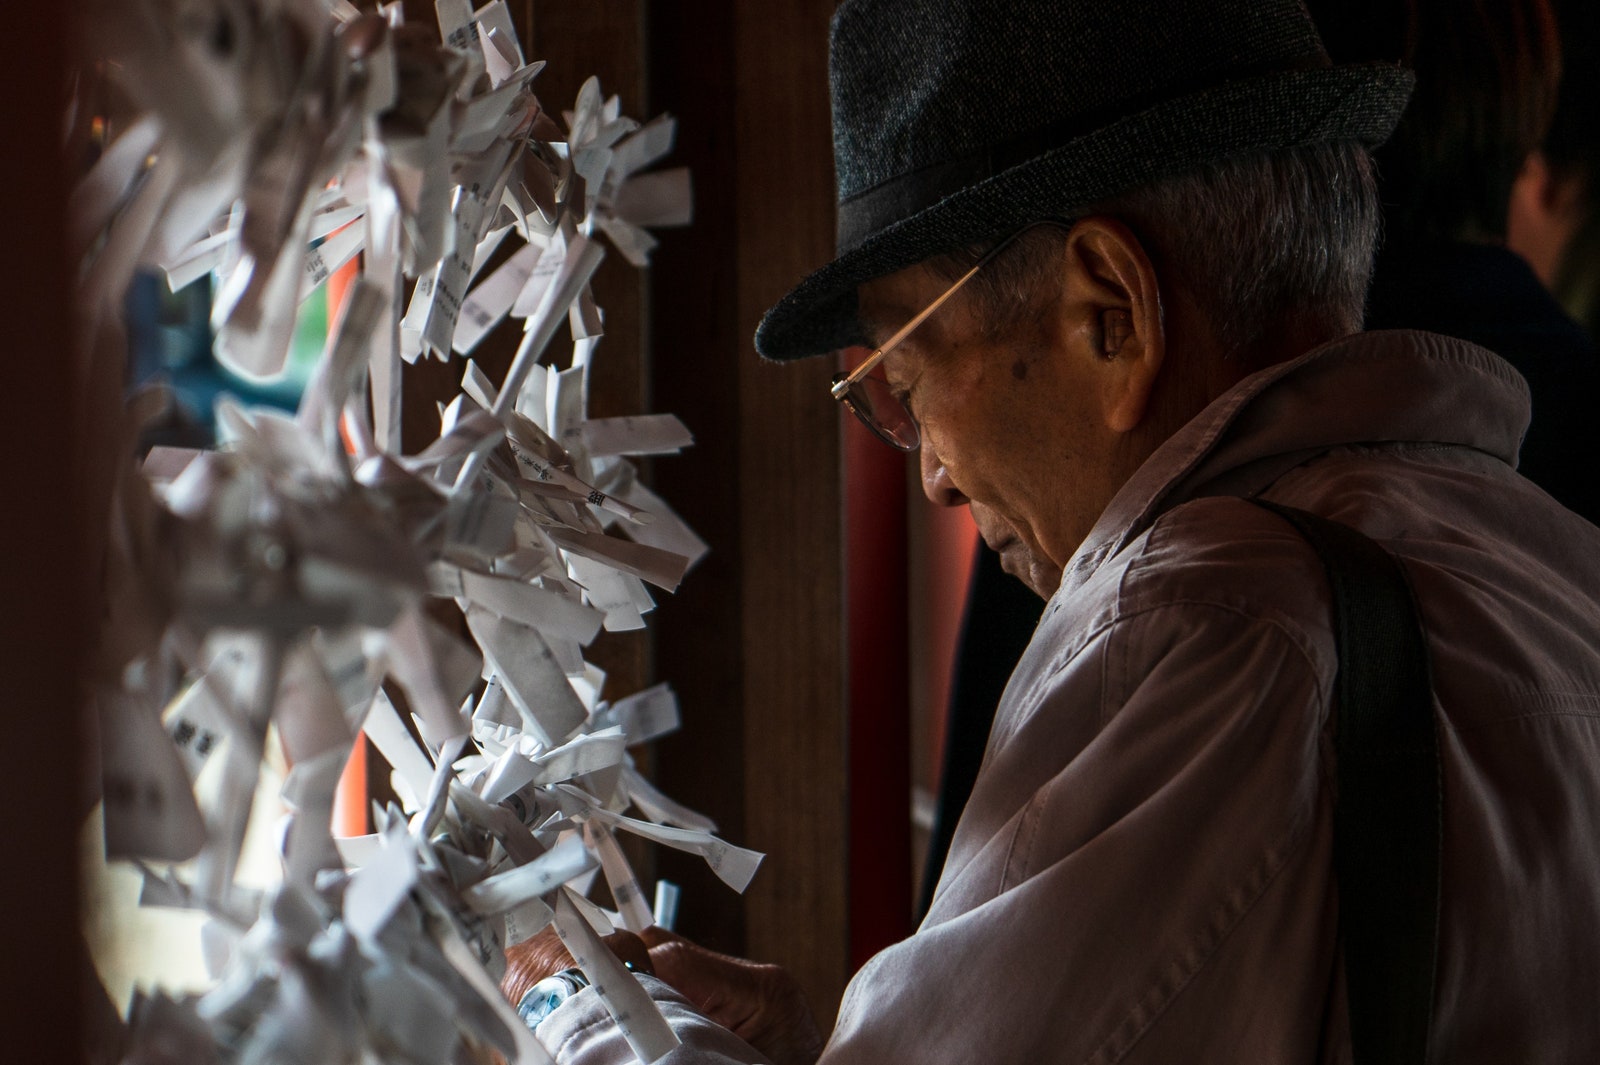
(656, 936)
(710, 980)
(632, 950)
(728, 990)
(761, 1004)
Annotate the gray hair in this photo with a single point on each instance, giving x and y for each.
(1259, 239)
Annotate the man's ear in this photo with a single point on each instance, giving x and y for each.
(1113, 304)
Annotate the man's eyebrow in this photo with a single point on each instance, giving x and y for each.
(873, 328)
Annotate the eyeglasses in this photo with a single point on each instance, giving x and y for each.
(870, 398)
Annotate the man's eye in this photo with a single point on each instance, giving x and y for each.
(903, 396)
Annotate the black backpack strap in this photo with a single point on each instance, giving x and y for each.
(1388, 828)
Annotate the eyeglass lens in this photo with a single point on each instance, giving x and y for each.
(871, 400)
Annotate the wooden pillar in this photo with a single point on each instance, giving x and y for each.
(43, 564)
(796, 725)
(696, 350)
(761, 661)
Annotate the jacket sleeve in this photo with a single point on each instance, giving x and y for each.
(1141, 875)
(1131, 881)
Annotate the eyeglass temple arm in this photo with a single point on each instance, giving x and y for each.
(904, 331)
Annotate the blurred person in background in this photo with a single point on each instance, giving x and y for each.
(1554, 223)
(1487, 83)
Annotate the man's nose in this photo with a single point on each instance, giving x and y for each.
(936, 482)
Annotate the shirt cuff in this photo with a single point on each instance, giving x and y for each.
(581, 1032)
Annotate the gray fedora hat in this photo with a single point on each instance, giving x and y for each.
(957, 121)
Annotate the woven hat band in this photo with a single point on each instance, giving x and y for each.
(862, 216)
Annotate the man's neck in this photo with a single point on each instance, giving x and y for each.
(1202, 368)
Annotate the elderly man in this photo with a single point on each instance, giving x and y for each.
(1110, 259)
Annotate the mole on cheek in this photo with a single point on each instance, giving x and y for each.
(1019, 370)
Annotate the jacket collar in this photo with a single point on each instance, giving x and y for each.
(1396, 386)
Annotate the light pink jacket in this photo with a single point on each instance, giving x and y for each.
(1143, 873)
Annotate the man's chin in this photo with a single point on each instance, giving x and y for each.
(1026, 567)
(1043, 577)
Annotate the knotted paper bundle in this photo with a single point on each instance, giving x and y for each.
(287, 587)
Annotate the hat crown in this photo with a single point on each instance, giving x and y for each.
(958, 121)
(916, 84)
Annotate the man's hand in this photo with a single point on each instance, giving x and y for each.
(761, 1004)
(544, 955)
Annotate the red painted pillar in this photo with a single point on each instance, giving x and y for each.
(351, 802)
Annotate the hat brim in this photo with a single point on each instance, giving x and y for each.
(1361, 103)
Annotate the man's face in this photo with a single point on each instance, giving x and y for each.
(1011, 418)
